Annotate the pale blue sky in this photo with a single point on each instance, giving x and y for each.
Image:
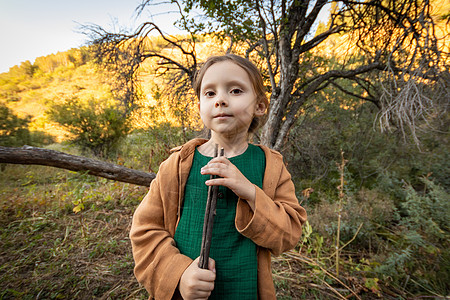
(33, 28)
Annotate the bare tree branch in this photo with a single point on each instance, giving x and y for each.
(368, 99)
(37, 156)
(266, 46)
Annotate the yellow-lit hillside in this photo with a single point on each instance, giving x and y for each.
(29, 89)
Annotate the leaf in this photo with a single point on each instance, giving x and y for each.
(78, 208)
(372, 284)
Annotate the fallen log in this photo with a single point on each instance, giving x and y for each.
(27, 155)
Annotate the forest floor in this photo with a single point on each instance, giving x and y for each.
(47, 251)
(64, 235)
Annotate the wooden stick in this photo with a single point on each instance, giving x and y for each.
(208, 223)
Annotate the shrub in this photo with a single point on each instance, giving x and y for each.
(146, 149)
(419, 250)
(371, 208)
(14, 130)
(95, 125)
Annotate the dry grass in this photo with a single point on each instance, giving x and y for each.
(49, 252)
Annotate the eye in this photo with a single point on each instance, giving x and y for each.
(236, 91)
(209, 94)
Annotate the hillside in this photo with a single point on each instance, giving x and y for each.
(28, 89)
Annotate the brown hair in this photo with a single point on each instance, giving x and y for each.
(253, 74)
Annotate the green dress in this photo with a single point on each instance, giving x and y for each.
(235, 255)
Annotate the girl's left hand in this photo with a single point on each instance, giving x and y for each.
(231, 177)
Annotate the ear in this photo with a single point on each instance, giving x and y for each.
(260, 109)
(198, 105)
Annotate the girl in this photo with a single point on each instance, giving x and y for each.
(257, 210)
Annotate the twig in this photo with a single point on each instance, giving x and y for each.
(310, 261)
(341, 168)
(351, 240)
(332, 289)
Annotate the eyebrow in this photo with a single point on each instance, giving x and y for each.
(228, 83)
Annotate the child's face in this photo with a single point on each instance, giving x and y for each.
(227, 99)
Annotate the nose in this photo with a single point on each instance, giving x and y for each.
(221, 101)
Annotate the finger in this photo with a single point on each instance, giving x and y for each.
(219, 181)
(204, 296)
(220, 159)
(205, 286)
(212, 265)
(206, 276)
(215, 165)
(220, 162)
(201, 296)
(216, 169)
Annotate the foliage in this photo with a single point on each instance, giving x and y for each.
(74, 57)
(369, 208)
(387, 202)
(31, 76)
(16, 80)
(419, 255)
(30, 89)
(95, 125)
(335, 121)
(14, 130)
(146, 149)
(372, 50)
(327, 126)
(403, 249)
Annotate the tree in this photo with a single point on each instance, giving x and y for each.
(393, 53)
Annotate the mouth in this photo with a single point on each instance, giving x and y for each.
(222, 116)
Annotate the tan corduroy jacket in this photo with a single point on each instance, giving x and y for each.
(275, 225)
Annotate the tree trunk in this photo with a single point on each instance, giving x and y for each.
(37, 156)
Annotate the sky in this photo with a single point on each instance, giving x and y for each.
(34, 28)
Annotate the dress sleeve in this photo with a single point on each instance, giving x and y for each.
(275, 224)
(158, 262)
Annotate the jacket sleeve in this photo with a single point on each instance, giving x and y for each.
(158, 262)
(275, 224)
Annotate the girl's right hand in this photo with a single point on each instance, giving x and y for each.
(197, 283)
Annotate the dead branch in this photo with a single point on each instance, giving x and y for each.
(27, 155)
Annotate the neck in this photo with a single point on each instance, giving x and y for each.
(232, 146)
